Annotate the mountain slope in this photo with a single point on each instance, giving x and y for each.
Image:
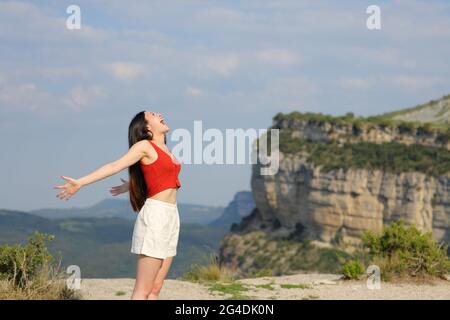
(121, 208)
(436, 111)
(241, 206)
(101, 246)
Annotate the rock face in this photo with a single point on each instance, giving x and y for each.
(240, 207)
(302, 200)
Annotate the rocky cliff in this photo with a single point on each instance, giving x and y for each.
(341, 176)
(302, 200)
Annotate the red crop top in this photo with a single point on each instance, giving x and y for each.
(162, 173)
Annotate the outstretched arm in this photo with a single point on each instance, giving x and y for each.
(134, 154)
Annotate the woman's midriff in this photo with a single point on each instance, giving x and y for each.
(168, 195)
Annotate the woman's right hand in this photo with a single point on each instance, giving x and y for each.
(124, 187)
(69, 189)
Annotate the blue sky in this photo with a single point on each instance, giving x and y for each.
(67, 96)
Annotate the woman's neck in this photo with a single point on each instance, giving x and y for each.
(159, 139)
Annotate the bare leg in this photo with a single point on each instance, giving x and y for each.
(146, 271)
(159, 280)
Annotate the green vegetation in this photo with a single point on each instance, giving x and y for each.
(443, 137)
(353, 269)
(402, 250)
(358, 123)
(295, 286)
(385, 120)
(29, 272)
(268, 286)
(235, 289)
(101, 247)
(391, 157)
(264, 256)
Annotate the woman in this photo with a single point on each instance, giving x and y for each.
(153, 186)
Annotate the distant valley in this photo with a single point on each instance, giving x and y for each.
(98, 238)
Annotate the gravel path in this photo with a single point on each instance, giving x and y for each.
(297, 287)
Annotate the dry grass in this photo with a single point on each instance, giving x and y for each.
(48, 284)
(213, 271)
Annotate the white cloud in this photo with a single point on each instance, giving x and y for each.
(38, 25)
(278, 56)
(24, 97)
(30, 97)
(81, 97)
(125, 70)
(223, 65)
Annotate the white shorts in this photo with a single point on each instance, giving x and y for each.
(156, 229)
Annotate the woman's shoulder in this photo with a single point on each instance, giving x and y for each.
(150, 154)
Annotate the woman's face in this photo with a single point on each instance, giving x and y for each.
(156, 122)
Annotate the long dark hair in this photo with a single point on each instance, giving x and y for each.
(137, 131)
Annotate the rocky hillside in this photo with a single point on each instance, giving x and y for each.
(436, 111)
(340, 176)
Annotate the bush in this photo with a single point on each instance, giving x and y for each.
(353, 269)
(357, 128)
(27, 271)
(424, 129)
(443, 137)
(403, 250)
(20, 264)
(406, 127)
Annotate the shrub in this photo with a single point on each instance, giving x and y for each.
(357, 128)
(406, 127)
(443, 137)
(353, 269)
(403, 250)
(21, 263)
(424, 129)
(28, 272)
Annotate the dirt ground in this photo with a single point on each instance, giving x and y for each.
(296, 287)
